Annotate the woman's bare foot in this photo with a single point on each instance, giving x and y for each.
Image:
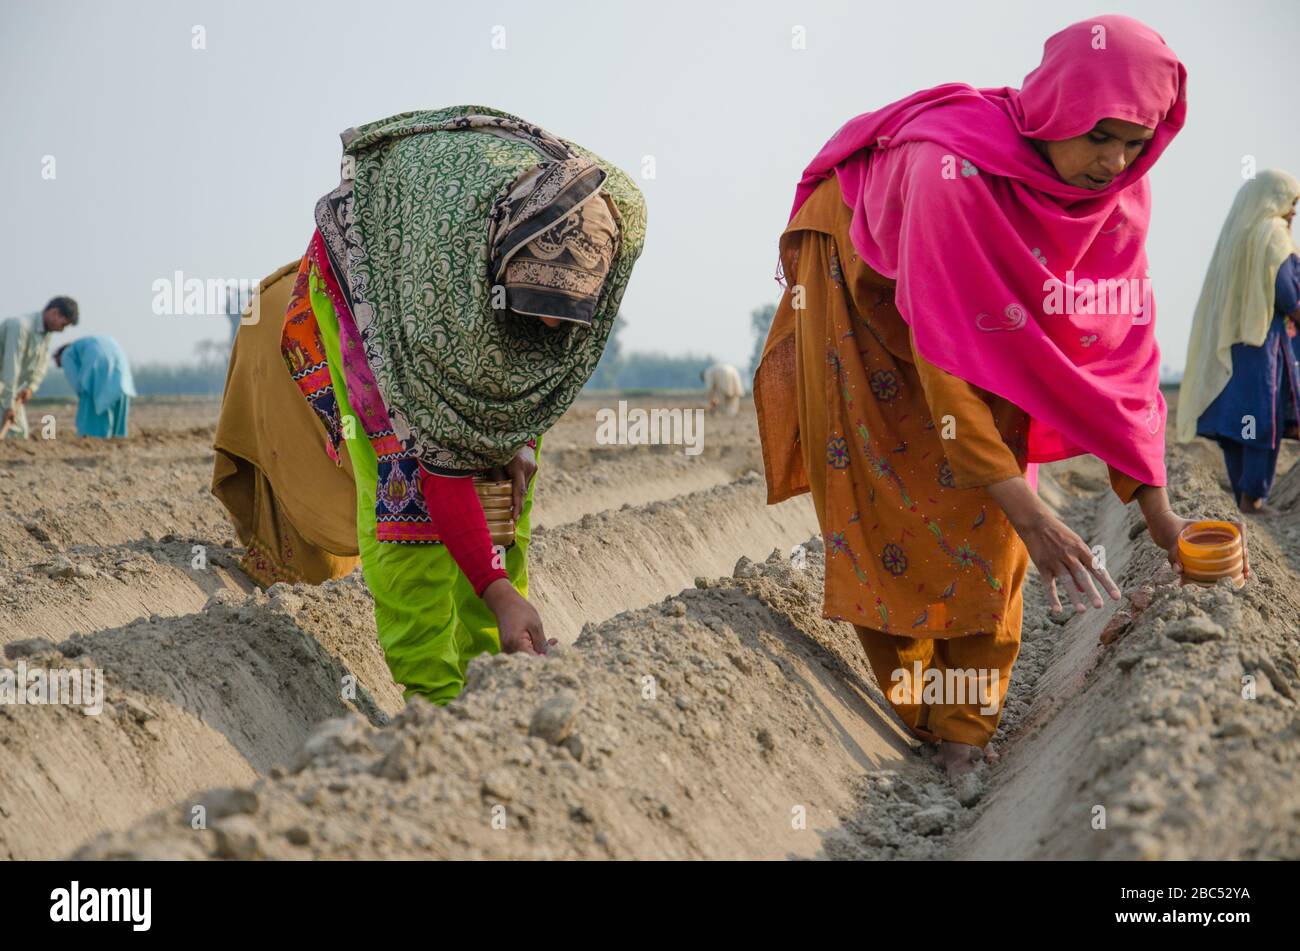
(958, 759)
(1254, 506)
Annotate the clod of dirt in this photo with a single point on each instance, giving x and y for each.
(64, 568)
(553, 720)
(220, 803)
(1195, 630)
(238, 837)
(29, 647)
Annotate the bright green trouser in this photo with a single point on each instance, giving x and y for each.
(431, 623)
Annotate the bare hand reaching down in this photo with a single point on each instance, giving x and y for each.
(1057, 551)
(518, 622)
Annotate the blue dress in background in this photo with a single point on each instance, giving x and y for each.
(1264, 385)
(100, 375)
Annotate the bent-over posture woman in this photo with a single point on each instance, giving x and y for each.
(456, 295)
(941, 332)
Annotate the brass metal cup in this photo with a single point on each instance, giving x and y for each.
(497, 498)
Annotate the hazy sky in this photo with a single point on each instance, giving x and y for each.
(209, 161)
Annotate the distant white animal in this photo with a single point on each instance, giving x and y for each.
(723, 383)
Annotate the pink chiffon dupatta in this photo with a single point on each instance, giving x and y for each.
(1010, 278)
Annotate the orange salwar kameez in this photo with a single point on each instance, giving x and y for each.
(896, 454)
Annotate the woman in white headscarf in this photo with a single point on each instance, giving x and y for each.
(1241, 386)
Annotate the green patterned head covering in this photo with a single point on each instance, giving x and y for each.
(445, 222)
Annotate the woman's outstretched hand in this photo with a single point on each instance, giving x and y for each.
(521, 469)
(1164, 528)
(518, 623)
(1056, 550)
(1060, 554)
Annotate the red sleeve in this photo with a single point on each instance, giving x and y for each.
(457, 516)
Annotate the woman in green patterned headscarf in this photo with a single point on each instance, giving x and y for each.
(456, 297)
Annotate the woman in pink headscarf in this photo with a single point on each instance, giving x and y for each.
(967, 296)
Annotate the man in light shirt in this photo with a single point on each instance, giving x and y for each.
(24, 358)
(724, 385)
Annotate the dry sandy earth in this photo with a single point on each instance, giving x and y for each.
(700, 706)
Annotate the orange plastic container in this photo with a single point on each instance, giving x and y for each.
(1210, 551)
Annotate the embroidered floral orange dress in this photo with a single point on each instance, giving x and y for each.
(896, 454)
